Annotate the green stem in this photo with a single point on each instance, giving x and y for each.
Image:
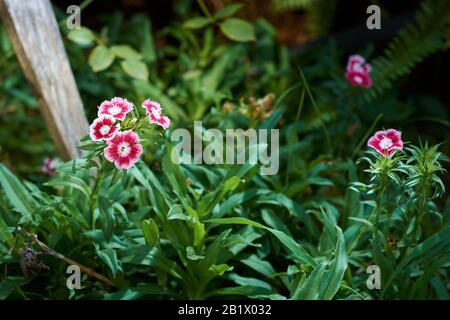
(313, 101)
(375, 212)
(364, 139)
(94, 193)
(293, 132)
(204, 8)
(378, 206)
(420, 213)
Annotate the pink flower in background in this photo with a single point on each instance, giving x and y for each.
(48, 166)
(124, 149)
(154, 112)
(116, 107)
(103, 128)
(358, 71)
(386, 142)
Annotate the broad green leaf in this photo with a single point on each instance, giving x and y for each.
(238, 30)
(150, 231)
(82, 36)
(135, 68)
(100, 58)
(196, 23)
(16, 193)
(125, 52)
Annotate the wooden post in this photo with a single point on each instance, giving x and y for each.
(34, 32)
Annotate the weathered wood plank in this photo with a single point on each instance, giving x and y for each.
(37, 41)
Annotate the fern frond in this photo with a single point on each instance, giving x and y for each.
(410, 46)
(320, 16)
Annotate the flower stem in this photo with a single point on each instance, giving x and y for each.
(381, 190)
(204, 8)
(94, 193)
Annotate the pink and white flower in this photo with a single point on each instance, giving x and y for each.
(49, 166)
(386, 142)
(103, 128)
(124, 149)
(358, 71)
(116, 107)
(154, 112)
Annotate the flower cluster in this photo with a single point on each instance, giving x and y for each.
(154, 112)
(386, 142)
(358, 71)
(123, 147)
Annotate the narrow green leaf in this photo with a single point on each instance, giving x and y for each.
(196, 23)
(16, 193)
(261, 266)
(150, 231)
(107, 216)
(248, 281)
(333, 277)
(220, 269)
(109, 256)
(227, 11)
(192, 255)
(310, 289)
(70, 182)
(137, 292)
(298, 252)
